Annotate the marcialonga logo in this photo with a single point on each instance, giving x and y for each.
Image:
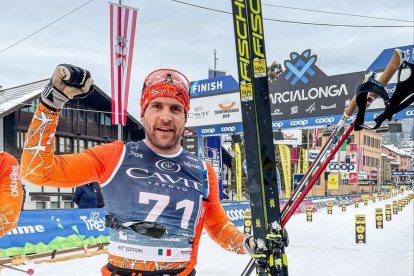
(242, 47)
(300, 67)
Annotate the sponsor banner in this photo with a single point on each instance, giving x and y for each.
(285, 158)
(236, 211)
(296, 179)
(382, 60)
(312, 154)
(214, 157)
(334, 119)
(353, 178)
(290, 137)
(214, 86)
(190, 143)
(218, 129)
(304, 90)
(213, 110)
(374, 174)
(333, 181)
(342, 167)
(237, 151)
(402, 173)
(362, 175)
(43, 231)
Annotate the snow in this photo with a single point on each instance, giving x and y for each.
(325, 246)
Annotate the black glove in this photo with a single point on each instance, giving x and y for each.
(67, 82)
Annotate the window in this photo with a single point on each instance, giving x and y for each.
(66, 113)
(92, 144)
(21, 139)
(92, 117)
(68, 205)
(65, 145)
(32, 107)
(81, 145)
(41, 205)
(54, 205)
(105, 120)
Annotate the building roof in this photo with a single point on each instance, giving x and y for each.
(14, 98)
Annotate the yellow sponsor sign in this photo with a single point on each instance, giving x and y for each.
(333, 182)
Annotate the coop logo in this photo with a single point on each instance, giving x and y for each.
(299, 123)
(335, 167)
(208, 130)
(235, 214)
(300, 67)
(277, 124)
(325, 120)
(409, 113)
(167, 166)
(228, 129)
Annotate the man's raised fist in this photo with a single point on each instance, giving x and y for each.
(67, 82)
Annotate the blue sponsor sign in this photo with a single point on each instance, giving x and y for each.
(47, 230)
(402, 173)
(382, 60)
(214, 157)
(219, 129)
(334, 119)
(235, 211)
(213, 86)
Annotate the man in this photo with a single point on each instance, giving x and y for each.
(158, 196)
(11, 194)
(87, 196)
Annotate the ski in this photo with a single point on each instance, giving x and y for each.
(257, 127)
(329, 149)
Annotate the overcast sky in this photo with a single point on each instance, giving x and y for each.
(170, 34)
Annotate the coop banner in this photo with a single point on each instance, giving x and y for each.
(48, 230)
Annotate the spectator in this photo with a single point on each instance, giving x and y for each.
(86, 196)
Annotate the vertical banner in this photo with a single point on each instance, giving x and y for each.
(333, 180)
(353, 148)
(213, 147)
(305, 161)
(122, 31)
(295, 154)
(300, 161)
(361, 158)
(315, 137)
(238, 171)
(360, 229)
(342, 153)
(285, 158)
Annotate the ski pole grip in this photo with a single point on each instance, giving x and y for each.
(392, 67)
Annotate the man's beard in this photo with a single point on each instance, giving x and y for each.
(161, 144)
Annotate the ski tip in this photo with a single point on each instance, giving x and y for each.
(30, 271)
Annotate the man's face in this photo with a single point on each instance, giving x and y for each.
(164, 122)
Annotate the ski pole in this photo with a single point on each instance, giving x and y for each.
(28, 272)
(389, 71)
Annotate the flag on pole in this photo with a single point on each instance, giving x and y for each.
(122, 30)
(315, 137)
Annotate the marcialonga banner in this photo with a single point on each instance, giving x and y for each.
(238, 171)
(284, 153)
(333, 180)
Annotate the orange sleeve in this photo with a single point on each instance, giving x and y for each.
(40, 166)
(11, 193)
(218, 225)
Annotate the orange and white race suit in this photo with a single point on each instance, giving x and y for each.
(179, 192)
(11, 193)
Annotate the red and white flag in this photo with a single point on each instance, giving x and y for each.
(315, 137)
(122, 30)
